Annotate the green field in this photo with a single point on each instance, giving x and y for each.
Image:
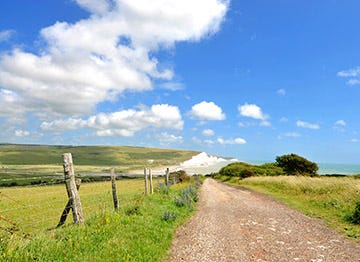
(42, 164)
(332, 199)
(141, 230)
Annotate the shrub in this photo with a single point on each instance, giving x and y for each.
(187, 197)
(162, 189)
(179, 176)
(169, 216)
(293, 164)
(237, 169)
(356, 216)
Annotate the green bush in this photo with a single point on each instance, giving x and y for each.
(293, 164)
(356, 216)
(237, 169)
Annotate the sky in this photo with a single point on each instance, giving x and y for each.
(251, 79)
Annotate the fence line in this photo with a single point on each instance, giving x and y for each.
(39, 207)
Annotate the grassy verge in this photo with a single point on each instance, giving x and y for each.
(332, 199)
(142, 230)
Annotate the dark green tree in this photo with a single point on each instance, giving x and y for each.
(293, 164)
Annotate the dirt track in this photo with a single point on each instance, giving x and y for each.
(237, 225)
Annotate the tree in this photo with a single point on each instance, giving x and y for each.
(293, 164)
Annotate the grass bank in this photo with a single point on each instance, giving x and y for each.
(332, 199)
(142, 230)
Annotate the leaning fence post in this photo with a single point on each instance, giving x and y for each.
(68, 206)
(167, 176)
(146, 182)
(71, 188)
(113, 186)
(151, 182)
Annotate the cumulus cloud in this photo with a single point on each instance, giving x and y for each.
(123, 123)
(352, 73)
(93, 60)
(304, 124)
(208, 132)
(252, 111)
(255, 112)
(21, 133)
(207, 111)
(340, 123)
(166, 138)
(239, 141)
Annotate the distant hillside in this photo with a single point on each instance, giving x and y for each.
(11, 154)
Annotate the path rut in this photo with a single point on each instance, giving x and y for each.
(234, 224)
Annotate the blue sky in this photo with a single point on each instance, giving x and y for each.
(249, 79)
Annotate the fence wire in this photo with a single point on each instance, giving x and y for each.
(33, 209)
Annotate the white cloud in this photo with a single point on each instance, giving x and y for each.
(353, 82)
(281, 92)
(6, 35)
(166, 138)
(340, 123)
(355, 140)
(21, 133)
(292, 134)
(208, 132)
(173, 86)
(354, 72)
(239, 141)
(93, 60)
(207, 111)
(304, 124)
(252, 111)
(284, 120)
(123, 123)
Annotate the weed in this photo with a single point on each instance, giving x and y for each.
(169, 216)
(187, 197)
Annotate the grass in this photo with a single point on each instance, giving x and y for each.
(332, 199)
(40, 164)
(125, 156)
(141, 230)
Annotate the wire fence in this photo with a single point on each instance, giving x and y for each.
(36, 208)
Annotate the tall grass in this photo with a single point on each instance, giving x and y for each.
(330, 198)
(137, 232)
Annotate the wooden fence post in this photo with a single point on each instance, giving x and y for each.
(167, 176)
(151, 182)
(113, 186)
(174, 179)
(71, 188)
(68, 206)
(146, 182)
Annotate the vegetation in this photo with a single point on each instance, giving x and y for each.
(293, 164)
(244, 170)
(285, 165)
(141, 230)
(334, 199)
(40, 164)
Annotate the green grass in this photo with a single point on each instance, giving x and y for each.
(90, 155)
(137, 232)
(332, 199)
(40, 164)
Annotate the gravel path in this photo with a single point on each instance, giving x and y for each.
(232, 224)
